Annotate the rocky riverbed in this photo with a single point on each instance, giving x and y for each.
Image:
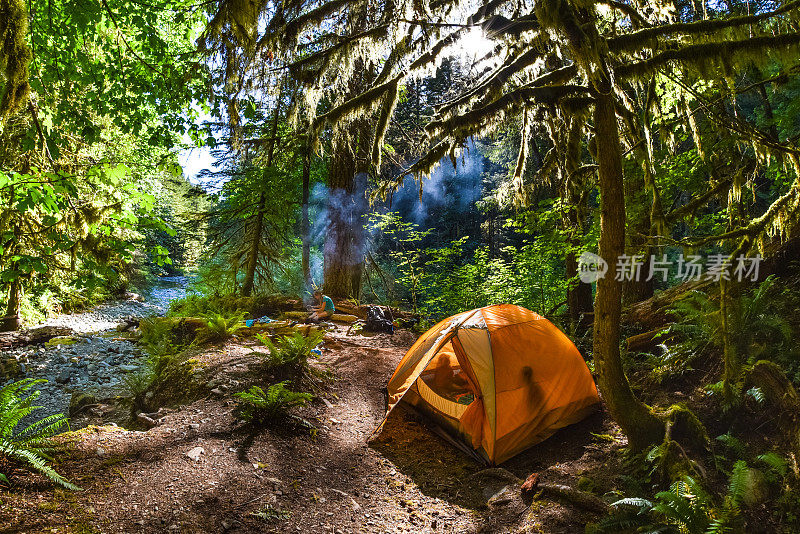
(91, 364)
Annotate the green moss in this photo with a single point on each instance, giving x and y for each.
(586, 484)
(60, 340)
(15, 55)
(687, 427)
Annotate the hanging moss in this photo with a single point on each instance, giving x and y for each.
(387, 110)
(480, 120)
(714, 55)
(650, 37)
(15, 55)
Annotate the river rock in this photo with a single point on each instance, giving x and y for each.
(9, 367)
(64, 376)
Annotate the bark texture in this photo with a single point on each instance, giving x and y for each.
(345, 242)
(641, 426)
(305, 227)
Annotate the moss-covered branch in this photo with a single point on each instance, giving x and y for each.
(481, 119)
(649, 37)
(702, 55)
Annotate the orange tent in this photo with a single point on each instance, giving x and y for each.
(496, 380)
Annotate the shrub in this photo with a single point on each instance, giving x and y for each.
(757, 323)
(220, 327)
(291, 351)
(688, 508)
(33, 445)
(167, 376)
(265, 407)
(158, 337)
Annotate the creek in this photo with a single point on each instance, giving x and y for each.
(96, 359)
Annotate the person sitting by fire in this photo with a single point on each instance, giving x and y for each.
(324, 308)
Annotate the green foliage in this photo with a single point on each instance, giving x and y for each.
(87, 165)
(32, 446)
(733, 444)
(220, 327)
(441, 280)
(688, 508)
(166, 376)
(291, 351)
(158, 338)
(758, 325)
(271, 406)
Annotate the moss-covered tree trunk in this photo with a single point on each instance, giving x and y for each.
(345, 242)
(638, 288)
(579, 294)
(637, 421)
(11, 321)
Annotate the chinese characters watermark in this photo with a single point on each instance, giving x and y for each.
(592, 267)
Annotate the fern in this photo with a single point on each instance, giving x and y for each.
(636, 502)
(732, 443)
(775, 462)
(739, 481)
(291, 351)
(221, 327)
(757, 325)
(270, 406)
(756, 394)
(33, 445)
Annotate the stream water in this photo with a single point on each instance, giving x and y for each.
(96, 359)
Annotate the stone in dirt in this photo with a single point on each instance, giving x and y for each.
(195, 453)
(147, 421)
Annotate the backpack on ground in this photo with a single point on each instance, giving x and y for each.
(379, 320)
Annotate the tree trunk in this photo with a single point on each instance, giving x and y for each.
(12, 321)
(638, 288)
(344, 248)
(305, 227)
(255, 244)
(641, 426)
(579, 294)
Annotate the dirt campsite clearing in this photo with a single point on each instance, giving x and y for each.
(201, 471)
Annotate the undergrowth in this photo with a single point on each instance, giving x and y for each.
(31, 447)
(264, 408)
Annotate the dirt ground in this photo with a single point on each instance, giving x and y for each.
(287, 480)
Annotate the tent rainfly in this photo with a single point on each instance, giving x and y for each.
(496, 380)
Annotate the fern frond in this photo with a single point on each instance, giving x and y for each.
(775, 462)
(738, 482)
(36, 463)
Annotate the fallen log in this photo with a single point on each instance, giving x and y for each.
(336, 317)
(579, 498)
(33, 336)
(273, 330)
(358, 311)
(647, 340)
